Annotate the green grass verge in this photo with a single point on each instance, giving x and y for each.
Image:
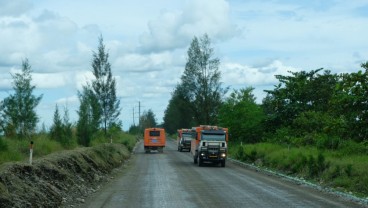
(18, 149)
(334, 169)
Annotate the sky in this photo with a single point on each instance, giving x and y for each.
(147, 42)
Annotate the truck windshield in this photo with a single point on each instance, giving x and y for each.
(154, 133)
(187, 137)
(213, 137)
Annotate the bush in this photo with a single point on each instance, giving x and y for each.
(350, 148)
(240, 153)
(3, 145)
(297, 163)
(324, 141)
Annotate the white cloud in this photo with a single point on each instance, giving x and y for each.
(175, 29)
(243, 75)
(14, 7)
(147, 43)
(135, 62)
(49, 81)
(72, 100)
(82, 78)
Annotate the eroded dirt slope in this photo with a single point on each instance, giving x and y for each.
(59, 179)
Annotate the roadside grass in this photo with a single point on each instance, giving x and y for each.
(128, 140)
(336, 169)
(12, 150)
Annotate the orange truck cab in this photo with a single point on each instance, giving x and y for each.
(154, 139)
(184, 139)
(209, 144)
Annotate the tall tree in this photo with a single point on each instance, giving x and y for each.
(104, 87)
(19, 108)
(178, 113)
(242, 116)
(148, 120)
(350, 103)
(61, 129)
(201, 81)
(301, 92)
(56, 129)
(89, 116)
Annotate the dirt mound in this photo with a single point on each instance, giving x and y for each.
(60, 178)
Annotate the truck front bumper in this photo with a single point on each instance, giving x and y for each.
(215, 157)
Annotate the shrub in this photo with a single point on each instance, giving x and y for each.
(253, 155)
(240, 153)
(3, 145)
(297, 163)
(350, 147)
(349, 170)
(324, 141)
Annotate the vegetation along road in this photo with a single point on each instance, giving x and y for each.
(170, 179)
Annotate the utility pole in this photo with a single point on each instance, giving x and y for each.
(133, 117)
(139, 113)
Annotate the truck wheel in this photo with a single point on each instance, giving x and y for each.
(181, 149)
(195, 160)
(223, 163)
(200, 162)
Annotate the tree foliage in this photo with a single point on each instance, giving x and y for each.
(61, 129)
(320, 109)
(178, 113)
(201, 80)
(242, 116)
(197, 98)
(19, 114)
(89, 115)
(104, 88)
(350, 103)
(147, 120)
(300, 92)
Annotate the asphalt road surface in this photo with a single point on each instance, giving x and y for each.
(171, 179)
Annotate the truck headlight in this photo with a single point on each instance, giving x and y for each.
(203, 154)
(223, 155)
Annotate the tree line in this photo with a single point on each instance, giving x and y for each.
(98, 113)
(304, 108)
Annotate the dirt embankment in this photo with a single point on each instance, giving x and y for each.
(59, 179)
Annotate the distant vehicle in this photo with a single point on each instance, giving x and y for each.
(209, 144)
(184, 139)
(154, 139)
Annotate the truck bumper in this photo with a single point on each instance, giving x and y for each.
(212, 157)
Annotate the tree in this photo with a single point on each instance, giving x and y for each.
(242, 116)
(61, 129)
(67, 130)
(178, 113)
(89, 116)
(350, 103)
(56, 130)
(19, 108)
(104, 87)
(148, 120)
(201, 81)
(301, 92)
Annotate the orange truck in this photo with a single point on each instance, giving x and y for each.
(154, 139)
(184, 139)
(209, 144)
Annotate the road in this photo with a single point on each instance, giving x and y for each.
(171, 179)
